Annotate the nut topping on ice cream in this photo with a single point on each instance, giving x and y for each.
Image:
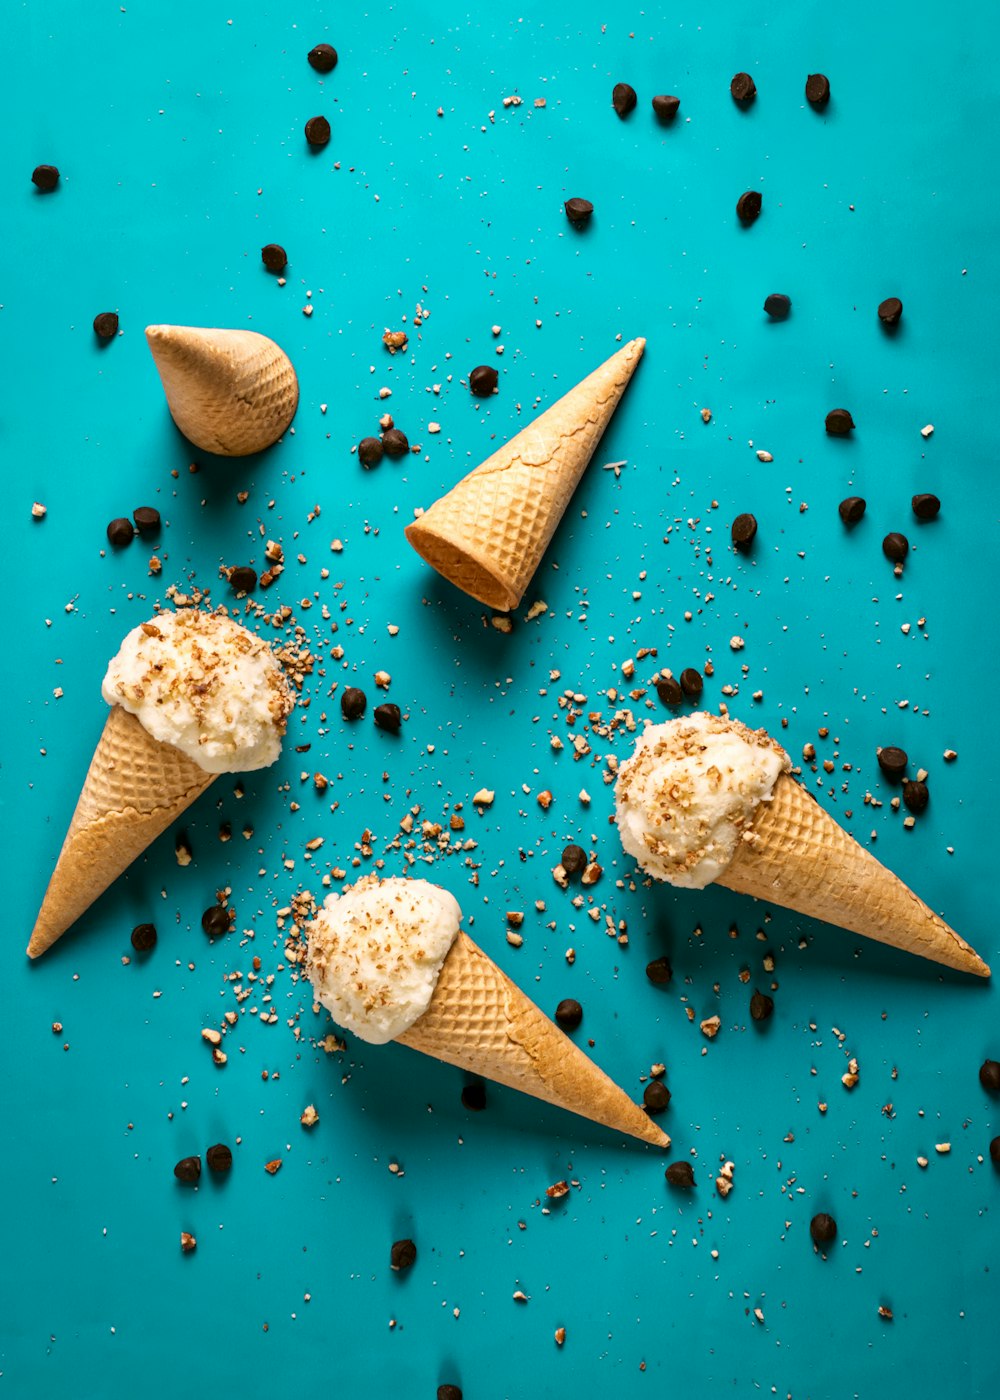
(376, 951)
(205, 684)
(689, 793)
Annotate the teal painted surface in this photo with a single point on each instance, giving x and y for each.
(178, 134)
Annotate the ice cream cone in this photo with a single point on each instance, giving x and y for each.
(230, 392)
(481, 1022)
(488, 534)
(801, 859)
(134, 789)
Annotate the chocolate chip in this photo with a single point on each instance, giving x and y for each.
(989, 1075)
(144, 937)
(743, 530)
(474, 1096)
(317, 131)
(370, 452)
(449, 1392)
(995, 1151)
(748, 206)
(692, 683)
(219, 1158)
(823, 1228)
(395, 443)
(817, 89)
(569, 1014)
(353, 702)
(106, 325)
(666, 107)
(402, 1255)
(839, 422)
(388, 717)
(892, 761)
(743, 88)
(915, 796)
(761, 1006)
(215, 921)
(483, 381)
(45, 178)
(323, 58)
(851, 509)
(890, 310)
(655, 1096)
(778, 306)
(243, 579)
(188, 1169)
(274, 257)
(680, 1174)
(147, 519)
(925, 506)
(578, 211)
(120, 532)
(895, 547)
(574, 859)
(659, 971)
(669, 691)
(623, 99)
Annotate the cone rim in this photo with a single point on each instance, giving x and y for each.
(464, 568)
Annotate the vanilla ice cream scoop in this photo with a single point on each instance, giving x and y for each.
(689, 792)
(205, 684)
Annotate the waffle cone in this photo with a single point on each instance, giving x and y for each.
(134, 789)
(488, 534)
(230, 392)
(481, 1022)
(800, 858)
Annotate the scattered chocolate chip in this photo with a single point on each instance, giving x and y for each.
(144, 937)
(215, 921)
(692, 683)
(744, 529)
(892, 761)
(274, 257)
(370, 452)
(188, 1169)
(323, 58)
(680, 1174)
(120, 532)
(761, 1006)
(839, 422)
(569, 1014)
(219, 1158)
(243, 579)
(474, 1096)
(817, 89)
(353, 702)
(106, 325)
(895, 547)
(623, 99)
(666, 107)
(655, 1096)
(578, 211)
(749, 205)
(317, 131)
(915, 796)
(395, 443)
(823, 1228)
(45, 178)
(925, 506)
(659, 971)
(669, 691)
(851, 509)
(574, 859)
(890, 310)
(449, 1392)
(388, 717)
(743, 88)
(995, 1151)
(147, 519)
(778, 306)
(989, 1075)
(402, 1255)
(483, 381)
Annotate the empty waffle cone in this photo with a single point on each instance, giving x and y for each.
(134, 789)
(230, 392)
(800, 858)
(481, 1022)
(488, 534)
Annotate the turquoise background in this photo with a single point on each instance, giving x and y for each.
(178, 131)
